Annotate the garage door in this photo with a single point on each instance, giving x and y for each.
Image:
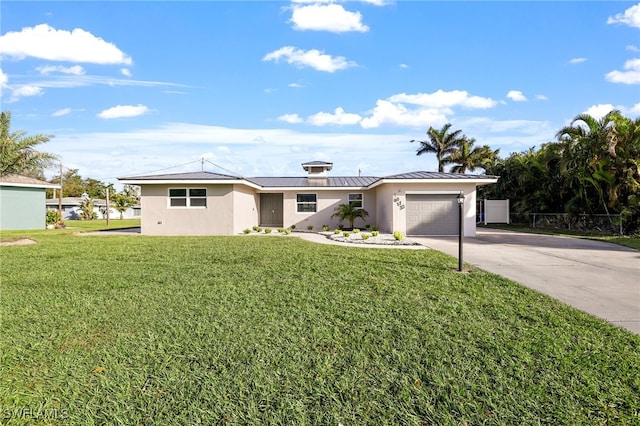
(432, 214)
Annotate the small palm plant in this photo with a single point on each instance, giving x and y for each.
(350, 213)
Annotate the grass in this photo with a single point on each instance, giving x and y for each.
(71, 227)
(235, 330)
(632, 241)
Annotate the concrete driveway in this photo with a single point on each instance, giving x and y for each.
(599, 278)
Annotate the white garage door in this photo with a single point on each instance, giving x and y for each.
(432, 214)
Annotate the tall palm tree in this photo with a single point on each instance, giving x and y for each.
(442, 143)
(17, 151)
(469, 158)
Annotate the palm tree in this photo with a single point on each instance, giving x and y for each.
(469, 158)
(442, 143)
(17, 151)
(350, 213)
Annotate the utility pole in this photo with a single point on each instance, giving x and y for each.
(60, 194)
(107, 192)
(202, 163)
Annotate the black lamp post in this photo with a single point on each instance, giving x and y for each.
(460, 229)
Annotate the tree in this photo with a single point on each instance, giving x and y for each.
(442, 143)
(124, 199)
(73, 185)
(17, 150)
(86, 209)
(468, 158)
(349, 212)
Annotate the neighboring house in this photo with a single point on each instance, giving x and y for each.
(22, 202)
(205, 203)
(71, 208)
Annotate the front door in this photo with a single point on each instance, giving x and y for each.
(271, 210)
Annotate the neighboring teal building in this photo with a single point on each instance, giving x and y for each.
(22, 202)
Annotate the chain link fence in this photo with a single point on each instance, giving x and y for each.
(595, 223)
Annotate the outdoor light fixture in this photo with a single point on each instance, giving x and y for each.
(460, 229)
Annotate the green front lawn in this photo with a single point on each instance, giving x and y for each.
(240, 330)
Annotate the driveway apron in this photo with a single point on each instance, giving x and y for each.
(600, 278)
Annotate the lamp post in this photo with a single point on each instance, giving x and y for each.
(460, 229)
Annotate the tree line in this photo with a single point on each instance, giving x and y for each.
(592, 167)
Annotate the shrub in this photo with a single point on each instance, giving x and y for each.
(255, 228)
(287, 231)
(367, 226)
(340, 226)
(293, 227)
(310, 227)
(53, 217)
(258, 229)
(365, 236)
(398, 235)
(325, 228)
(375, 233)
(267, 230)
(337, 231)
(281, 230)
(374, 228)
(346, 234)
(356, 230)
(246, 231)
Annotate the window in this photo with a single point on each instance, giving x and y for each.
(187, 197)
(307, 203)
(355, 200)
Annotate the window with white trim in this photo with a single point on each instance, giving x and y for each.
(306, 203)
(187, 197)
(356, 200)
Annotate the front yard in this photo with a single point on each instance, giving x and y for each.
(232, 330)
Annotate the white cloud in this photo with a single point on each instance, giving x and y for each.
(630, 76)
(441, 99)
(295, 85)
(121, 111)
(339, 118)
(542, 98)
(516, 96)
(326, 17)
(125, 71)
(61, 112)
(634, 111)
(25, 91)
(577, 60)
(309, 58)
(599, 111)
(632, 48)
(290, 118)
(395, 114)
(73, 70)
(630, 17)
(4, 79)
(404, 66)
(45, 42)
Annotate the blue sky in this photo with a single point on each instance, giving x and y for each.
(260, 87)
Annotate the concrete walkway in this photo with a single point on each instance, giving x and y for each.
(600, 278)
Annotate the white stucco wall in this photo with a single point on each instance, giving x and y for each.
(160, 219)
(246, 214)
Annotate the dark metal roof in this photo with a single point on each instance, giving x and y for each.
(336, 182)
(184, 176)
(437, 175)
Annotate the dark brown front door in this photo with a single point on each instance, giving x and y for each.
(271, 210)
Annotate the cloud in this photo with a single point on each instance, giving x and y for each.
(290, 118)
(73, 70)
(25, 91)
(326, 17)
(395, 114)
(632, 48)
(339, 118)
(630, 76)
(4, 79)
(121, 111)
(516, 96)
(634, 111)
(542, 98)
(295, 85)
(45, 42)
(441, 100)
(630, 17)
(574, 61)
(403, 66)
(61, 112)
(125, 71)
(309, 58)
(599, 111)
